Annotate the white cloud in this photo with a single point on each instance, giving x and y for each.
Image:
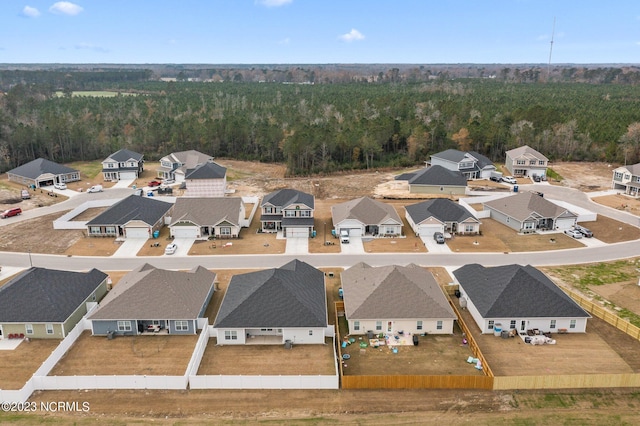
(65, 8)
(353, 35)
(273, 3)
(89, 46)
(30, 12)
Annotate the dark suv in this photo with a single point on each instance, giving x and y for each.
(11, 212)
(439, 237)
(584, 231)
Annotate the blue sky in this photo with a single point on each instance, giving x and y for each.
(319, 31)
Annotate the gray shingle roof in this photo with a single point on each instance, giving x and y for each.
(515, 291)
(286, 197)
(290, 296)
(524, 204)
(148, 293)
(526, 151)
(438, 175)
(393, 292)
(207, 171)
(457, 156)
(40, 166)
(442, 209)
(131, 208)
(364, 210)
(46, 295)
(207, 211)
(124, 155)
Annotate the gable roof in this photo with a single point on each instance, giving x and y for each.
(393, 292)
(515, 291)
(131, 208)
(438, 175)
(207, 171)
(442, 209)
(40, 166)
(634, 169)
(290, 296)
(364, 210)
(124, 155)
(191, 158)
(46, 295)
(522, 205)
(148, 293)
(457, 156)
(526, 151)
(207, 211)
(286, 197)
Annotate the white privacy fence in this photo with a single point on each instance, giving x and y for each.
(65, 222)
(245, 223)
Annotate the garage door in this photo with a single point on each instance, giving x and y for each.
(127, 175)
(137, 232)
(355, 232)
(184, 232)
(297, 233)
(429, 230)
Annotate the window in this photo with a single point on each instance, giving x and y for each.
(266, 329)
(225, 230)
(390, 230)
(182, 325)
(356, 325)
(521, 162)
(490, 325)
(49, 328)
(512, 324)
(28, 328)
(379, 325)
(572, 324)
(93, 297)
(528, 225)
(439, 325)
(532, 162)
(419, 325)
(552, 325)
(111, 230)
(617, 176)
(268, 210)
(310, 332)
(110, 166)
(305, 213)
(94, 230)
(230, 335)
(290, 213)
(124, 325)
(469, 228)
(541, 163)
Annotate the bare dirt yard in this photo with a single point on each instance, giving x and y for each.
(620, 202)
(18, 365)
(585, 176)
(38, 236)
(148, 355)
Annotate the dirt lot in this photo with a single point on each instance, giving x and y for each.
(149, 355)
(17, 366)
(38, 236)
(620, 202)
(587, 177)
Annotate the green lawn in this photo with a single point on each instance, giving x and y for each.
(90, 169)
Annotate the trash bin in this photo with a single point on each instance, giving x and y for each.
(415, 340)
(515, 188)
(369, 334)
(504, 334)
(288, 344)
(110, 335)
(156, 234)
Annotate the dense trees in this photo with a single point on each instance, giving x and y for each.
(326, 127)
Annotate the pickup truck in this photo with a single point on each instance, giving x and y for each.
(344, 236)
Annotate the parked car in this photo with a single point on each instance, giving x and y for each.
(495, 178)
(154, 183)
(168, 181)
(11, 212)
(25, 194)
(138, 192)
(95, 188)
(439, 237)
(573, 233)
(171, 248)
(60, 186)
(584, 231)
(536, 178)
(344, 236)
(509, 179)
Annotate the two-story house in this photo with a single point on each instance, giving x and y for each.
(289, 211)
(471, 164)
(123, 164)
(526, 161)
(175, 165)
(627, 178)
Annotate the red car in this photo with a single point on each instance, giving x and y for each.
(154, 183)
(11, 212)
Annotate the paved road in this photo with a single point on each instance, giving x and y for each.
(556, 257)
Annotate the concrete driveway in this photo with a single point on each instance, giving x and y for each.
(433, 247)
(123, 183)
(184, 245)
(297, 246)
(130, 247)
(354, 247)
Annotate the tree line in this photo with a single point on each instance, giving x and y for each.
(321, 128)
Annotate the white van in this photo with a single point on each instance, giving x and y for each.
(95, 188)
(344, 236)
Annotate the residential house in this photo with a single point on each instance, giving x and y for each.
(515, 297)
(123, 164)
(289, 211)
(277, 306)
(627, 178)
(472, 165)
(206, 180)
(441, 215)
(365, 216)
(392, 299)
(153, 300)
(42, 172)
(207, 217)
(131, 217)
(529, 212)
(526, 161)
(47, 303)
(436, 180)
(176, 165)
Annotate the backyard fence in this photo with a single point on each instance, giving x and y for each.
(473, 345)
(567, 381)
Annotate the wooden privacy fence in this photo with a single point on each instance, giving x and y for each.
(475, 349)
(567, 381)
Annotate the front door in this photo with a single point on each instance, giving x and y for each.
(523, 324)
(389, 327)
(1, 334)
